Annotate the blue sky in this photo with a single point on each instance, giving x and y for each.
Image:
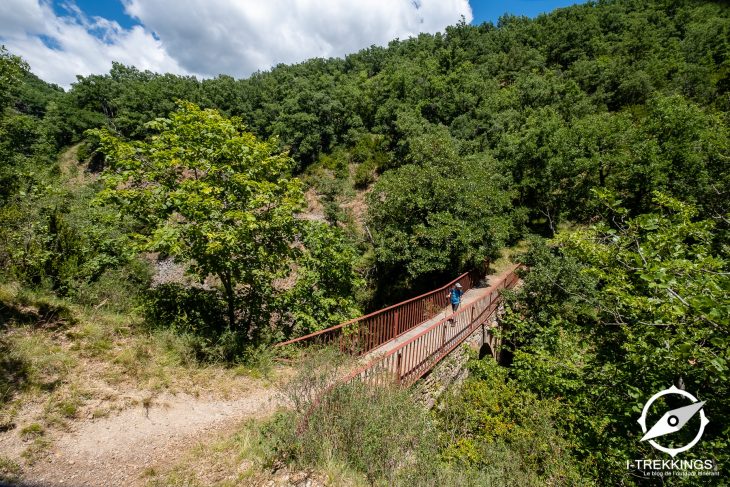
(487, 10)
(109, 9)
(63, 38)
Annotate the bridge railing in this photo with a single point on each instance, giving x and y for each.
(363, 334)
(410, 360)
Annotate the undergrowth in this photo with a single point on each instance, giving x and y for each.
(62, 361)
(357, 435)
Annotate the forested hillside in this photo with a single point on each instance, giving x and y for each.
(599, 133)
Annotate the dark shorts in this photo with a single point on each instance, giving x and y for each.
(454, 307)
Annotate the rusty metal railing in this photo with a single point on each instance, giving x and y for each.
(410, 360)
(365, 333)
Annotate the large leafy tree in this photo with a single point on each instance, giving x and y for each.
(215, 197)
(611, 314)
(439, 213)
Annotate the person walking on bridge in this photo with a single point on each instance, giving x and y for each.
(455, 295)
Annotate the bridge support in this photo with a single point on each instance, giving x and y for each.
(451, 371)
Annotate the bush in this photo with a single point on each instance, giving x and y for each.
(197, 316)
(191, 309)
(118, 289)
(365, 173)
(497, 428)
(378, 432)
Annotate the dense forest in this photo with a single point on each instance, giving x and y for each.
(597, 134)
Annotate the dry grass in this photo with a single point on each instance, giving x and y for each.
(9, 469)
(89, 367)
(243, 456)
(355, 202)
(234, 459)
(507, 257)
(71, 168)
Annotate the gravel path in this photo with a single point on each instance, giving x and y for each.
(117, 450)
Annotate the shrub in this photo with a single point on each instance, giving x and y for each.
(119, 289)
(365, 173)
(496, 427)
(196, 312)
(378, 432)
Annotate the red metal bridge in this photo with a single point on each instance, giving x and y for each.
(404, 341)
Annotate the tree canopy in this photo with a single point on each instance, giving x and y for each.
(307, 194)
(213, 195)
(612, 313)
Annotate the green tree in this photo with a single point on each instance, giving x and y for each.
(326, 281)
(443, 214)
(11, 73)
(611, 314)
(215, 197)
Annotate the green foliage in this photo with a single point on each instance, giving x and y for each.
(196, 313)
(11, 70)
(439, 215)
(370, 155)
(120, 288)
(494, 426)
(371, 429)
(50, 234)
(326, 282)
(213, 196)
(609, 315)
(125, 100)
(365, 174)
(55, 236)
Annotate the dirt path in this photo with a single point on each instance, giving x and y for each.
(118, 450)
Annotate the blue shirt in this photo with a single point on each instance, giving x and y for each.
(456, 296)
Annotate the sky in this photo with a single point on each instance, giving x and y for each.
(205, 38)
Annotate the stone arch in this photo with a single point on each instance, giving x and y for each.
(485, 350)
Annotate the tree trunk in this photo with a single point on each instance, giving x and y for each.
(230, 298)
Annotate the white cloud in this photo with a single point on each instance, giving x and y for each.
(80, 45)
(239, 37)
(210, 37)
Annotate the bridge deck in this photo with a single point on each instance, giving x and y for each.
(411, 355)
(469, 297)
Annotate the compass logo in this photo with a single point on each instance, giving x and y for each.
(664, 431)
(673, 421)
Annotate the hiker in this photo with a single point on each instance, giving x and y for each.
(455, 297)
